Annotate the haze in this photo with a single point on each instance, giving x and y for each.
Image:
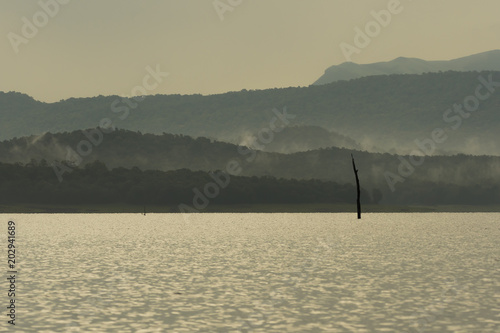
(94, 47)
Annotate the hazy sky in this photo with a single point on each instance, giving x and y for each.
(102, 47)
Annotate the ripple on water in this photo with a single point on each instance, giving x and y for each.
(259, 273)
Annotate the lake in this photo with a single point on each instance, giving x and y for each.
(435, 272)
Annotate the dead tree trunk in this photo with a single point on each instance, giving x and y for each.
(357, 186)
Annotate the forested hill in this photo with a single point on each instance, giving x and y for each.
(167, 152)
(389, 112)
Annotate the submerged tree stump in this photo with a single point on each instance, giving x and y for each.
(357, 186)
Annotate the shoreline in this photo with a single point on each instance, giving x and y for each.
(240, 208)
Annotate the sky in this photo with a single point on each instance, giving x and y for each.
(86, 48)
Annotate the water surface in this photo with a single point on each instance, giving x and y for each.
(258, 273)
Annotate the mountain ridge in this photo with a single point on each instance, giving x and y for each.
(389, 112)
(489, 60)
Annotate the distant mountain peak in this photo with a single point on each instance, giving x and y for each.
(489, 60)
(406, 59)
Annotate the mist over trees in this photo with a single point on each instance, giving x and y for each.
(295, 139)
(385, 121)
(386, 111)
(460, 178)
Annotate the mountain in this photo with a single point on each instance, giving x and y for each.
(389, 112)
(415, 180)
(486, 61)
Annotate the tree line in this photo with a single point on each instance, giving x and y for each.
(34, 183)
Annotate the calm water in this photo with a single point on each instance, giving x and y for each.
(257, 273)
